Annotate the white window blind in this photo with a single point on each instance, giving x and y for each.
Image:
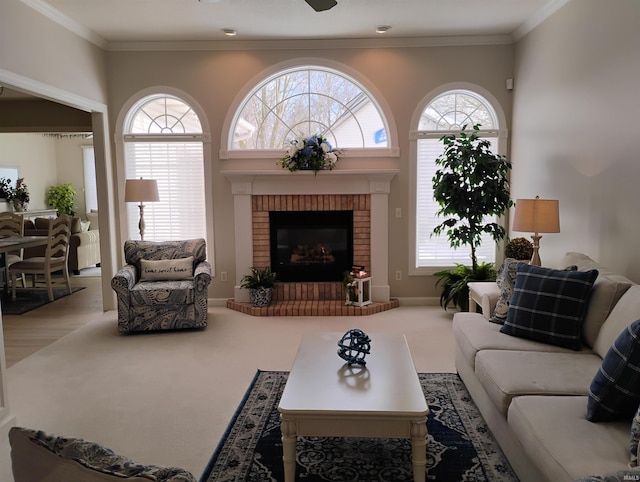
(432, 250)
(90, 187)
(178, 169)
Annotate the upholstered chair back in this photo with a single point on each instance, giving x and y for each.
(135, 250)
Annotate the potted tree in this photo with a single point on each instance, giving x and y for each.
(62, 198)
(470, 184)
(259, 283)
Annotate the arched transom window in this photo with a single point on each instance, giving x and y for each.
(304, 101)
(447, 113)
(164, 141)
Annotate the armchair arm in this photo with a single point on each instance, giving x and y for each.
(202, 276)
(124, 280)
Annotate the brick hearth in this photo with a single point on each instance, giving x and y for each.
(311, 298)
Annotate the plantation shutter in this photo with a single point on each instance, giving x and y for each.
(177, 167)
(432, 250)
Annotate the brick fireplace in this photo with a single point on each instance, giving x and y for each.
(365, 193)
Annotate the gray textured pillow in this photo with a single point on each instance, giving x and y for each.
(635, 439)
(505, 279)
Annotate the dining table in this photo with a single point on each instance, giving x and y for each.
(16, 243)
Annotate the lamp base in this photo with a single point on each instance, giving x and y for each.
(535, 259)
(141, 224)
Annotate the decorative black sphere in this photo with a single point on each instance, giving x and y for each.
(354, 346)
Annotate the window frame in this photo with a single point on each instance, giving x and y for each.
(226, 140)
(501, 133)
(204, 138)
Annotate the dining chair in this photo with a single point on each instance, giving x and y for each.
(11, 224)
(55, 259)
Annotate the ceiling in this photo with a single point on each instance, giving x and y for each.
(112, 21)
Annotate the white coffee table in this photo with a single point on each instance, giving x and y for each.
(326, 397)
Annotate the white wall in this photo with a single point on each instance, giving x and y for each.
(575, 129)
(36, 157)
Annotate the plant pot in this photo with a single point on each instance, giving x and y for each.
(260, 296)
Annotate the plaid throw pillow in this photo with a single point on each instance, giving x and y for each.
(614, 393)
(548, 305)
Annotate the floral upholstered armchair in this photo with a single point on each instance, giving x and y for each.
(163, 286)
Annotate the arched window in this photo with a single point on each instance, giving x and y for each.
(446, 113)
(308, 100)
(163, 140)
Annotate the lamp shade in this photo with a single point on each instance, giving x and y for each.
(537, 215)
(141, 190)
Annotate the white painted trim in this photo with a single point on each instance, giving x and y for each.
(304, 44)
(61, 19)
(49, 92)
(377, 183)
(536, 19)
(413, 154)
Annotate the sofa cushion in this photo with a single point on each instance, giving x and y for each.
(92, 217)
(615, 390)
(148, 293)
(625, 312)
(42, 223)
(166, 269)
(39, 457)
(505, 278)
(606, 292)
(548, 305)
(473, 333)
(554, 431)
(505, 374)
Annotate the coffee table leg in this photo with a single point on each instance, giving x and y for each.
(289, 437)
(419, 450)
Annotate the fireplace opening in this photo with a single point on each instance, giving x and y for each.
(311, 245)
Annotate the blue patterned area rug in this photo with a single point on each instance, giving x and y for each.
(28, 299)
(460, 446)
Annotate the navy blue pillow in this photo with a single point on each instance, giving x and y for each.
(614, 393)
(548, 305)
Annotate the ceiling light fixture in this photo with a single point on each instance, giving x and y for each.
(321, 5)
(382, 28)
(230, 32)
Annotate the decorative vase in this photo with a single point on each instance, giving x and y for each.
(260, 297)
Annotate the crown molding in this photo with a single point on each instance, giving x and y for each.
(53, 14)
(305, 44)
(536, 19)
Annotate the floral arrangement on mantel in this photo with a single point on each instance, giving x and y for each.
(18, 195)
(313, 153)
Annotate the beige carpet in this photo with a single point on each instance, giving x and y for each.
(166, 398)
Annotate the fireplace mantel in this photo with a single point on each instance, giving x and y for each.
(360, 181)
(376, 182)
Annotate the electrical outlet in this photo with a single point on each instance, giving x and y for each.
(398, 212)
(223, 276)
(398, 275)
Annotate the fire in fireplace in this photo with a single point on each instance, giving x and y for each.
(311, 245)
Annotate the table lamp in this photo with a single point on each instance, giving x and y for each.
(537, 216)
(141, 190)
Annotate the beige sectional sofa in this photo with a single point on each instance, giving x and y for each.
(534, 395)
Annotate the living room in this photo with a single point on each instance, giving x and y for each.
(570, 119)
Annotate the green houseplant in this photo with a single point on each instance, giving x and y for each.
(470, 184)
(259, 283)
(62, 198)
